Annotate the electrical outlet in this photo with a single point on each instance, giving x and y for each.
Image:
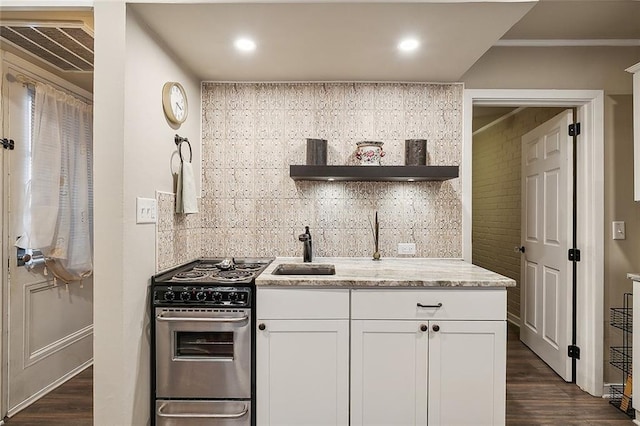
(146, 210)
(406, 248)
(618, 231)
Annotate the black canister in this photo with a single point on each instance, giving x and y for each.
(415, 152)
(316, 152)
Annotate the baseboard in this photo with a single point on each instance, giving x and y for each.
(24, 404)
(606, 389)
(513, 319)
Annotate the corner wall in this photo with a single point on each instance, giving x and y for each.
(135, 155)
(620, 256)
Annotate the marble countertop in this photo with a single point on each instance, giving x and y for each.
(388, 272)
(633, 276)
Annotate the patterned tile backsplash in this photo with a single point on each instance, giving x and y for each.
(252, 132)
(178, 236)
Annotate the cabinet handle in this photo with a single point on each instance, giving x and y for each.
(262, 326)
(439, 305)
(423, 327)
(435, 327)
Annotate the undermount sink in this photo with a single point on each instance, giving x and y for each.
(304, 269)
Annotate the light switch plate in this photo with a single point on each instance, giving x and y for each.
(618, 230)
(146, 210)
(406, 248)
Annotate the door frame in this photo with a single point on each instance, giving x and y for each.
(4, 246)
(590, 223)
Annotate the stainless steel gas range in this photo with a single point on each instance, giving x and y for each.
(203, 336)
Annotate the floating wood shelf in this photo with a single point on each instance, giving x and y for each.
(373, 173)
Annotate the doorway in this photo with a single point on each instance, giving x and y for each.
(590, 171)
(47, 324)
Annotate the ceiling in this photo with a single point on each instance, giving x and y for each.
(338, 41)
(331, 41)
(300, 40)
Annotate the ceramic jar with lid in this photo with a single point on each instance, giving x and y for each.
(369, 153)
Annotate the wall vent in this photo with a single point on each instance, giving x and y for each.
(65, 45)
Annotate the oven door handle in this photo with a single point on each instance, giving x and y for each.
(244, 411)
(160, 317)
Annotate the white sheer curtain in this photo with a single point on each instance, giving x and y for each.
(58, 213)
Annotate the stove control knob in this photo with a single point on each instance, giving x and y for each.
(185, 295)
(169, 296)
(233, 297)
(217, 296)
(201, 296)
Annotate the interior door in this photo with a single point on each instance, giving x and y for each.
(546, 234)
(49, 325)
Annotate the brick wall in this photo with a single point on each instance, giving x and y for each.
(496, 196)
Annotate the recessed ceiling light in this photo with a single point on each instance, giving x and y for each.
(245, 44)
(408, 44)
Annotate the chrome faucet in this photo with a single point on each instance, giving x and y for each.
(307, 254)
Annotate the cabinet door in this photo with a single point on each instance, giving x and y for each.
(467, 373)
(302, 372)
(388, 372)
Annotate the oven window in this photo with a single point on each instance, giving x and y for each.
(205, 344)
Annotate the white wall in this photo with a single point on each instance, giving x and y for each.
(600, 68)
(134, 153)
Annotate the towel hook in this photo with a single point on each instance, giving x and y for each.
(178, 140)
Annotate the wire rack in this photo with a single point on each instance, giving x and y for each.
(617, 397)
(621, 356)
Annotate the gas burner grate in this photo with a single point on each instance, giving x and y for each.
(190, 276)
(235, 275)
(207, 267)
(248, 266)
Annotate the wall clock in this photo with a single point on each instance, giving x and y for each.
(174, 102)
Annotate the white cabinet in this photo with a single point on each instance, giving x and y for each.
(388, 373)
(428, 362)
(302, 364)
(635, 70)
(411, 357)
(467, 373)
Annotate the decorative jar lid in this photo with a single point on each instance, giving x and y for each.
(369, 143)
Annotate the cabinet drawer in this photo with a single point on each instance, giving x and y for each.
(302, 303)
(460, 304)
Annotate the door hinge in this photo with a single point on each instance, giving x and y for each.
(8, 144)
(574, 129)
(574, 352)
(574, 255)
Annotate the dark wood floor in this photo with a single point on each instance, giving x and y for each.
(535, 396)
(71, 404)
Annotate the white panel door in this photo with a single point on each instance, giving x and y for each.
(467, 373)
(50, 327)
(546, 236)
(302, 373)
(389, 372)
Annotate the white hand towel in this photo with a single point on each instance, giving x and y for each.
(186, 201)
